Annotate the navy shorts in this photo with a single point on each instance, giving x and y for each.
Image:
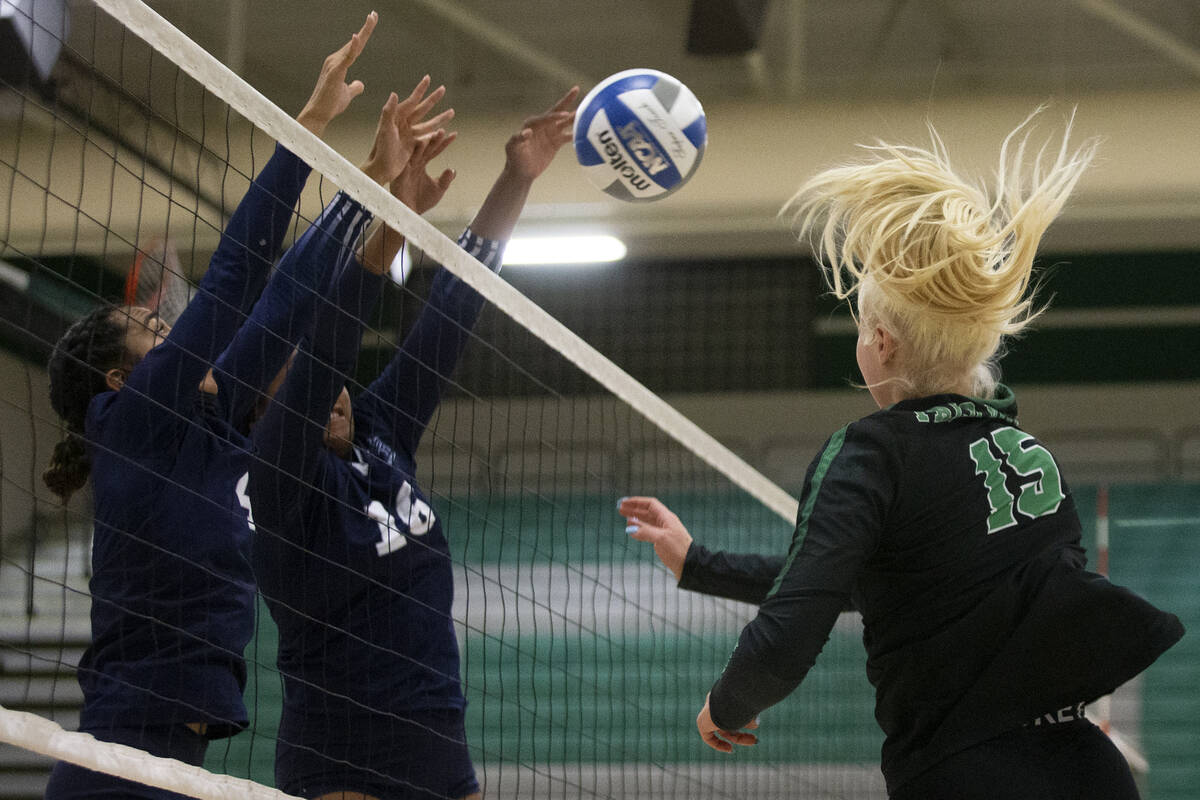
(422, 757)
(72, 782)
(1064, 761)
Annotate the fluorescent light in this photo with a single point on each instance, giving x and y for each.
(564, 250)
(14, 276)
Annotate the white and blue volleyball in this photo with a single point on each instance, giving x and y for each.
(640, 135)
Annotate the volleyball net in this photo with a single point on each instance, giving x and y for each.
(582, 665)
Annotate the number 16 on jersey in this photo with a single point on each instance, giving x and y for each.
(412, 510)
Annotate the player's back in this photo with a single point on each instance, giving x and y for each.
(974, 498)
(978, 613)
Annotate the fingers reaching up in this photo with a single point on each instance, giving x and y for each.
(416, 189)
(414, 186)
(401, 125)
(414, 108)
(530, 150)
(332, 95)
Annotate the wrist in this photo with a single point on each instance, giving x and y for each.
(515, 178)
(312, 122)
(376, 173)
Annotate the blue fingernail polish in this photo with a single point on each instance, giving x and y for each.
(631, 529)
(620, 501)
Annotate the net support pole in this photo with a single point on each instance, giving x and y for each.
(1137, 762)
(243, 98)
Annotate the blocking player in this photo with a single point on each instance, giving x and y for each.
(350, 554)
(162, 436)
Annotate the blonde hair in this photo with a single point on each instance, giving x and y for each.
(932, 259)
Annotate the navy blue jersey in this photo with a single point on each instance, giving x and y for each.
(172, 587)
(350, 555)
(954, 534)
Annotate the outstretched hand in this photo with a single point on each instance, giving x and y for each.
(402, 124)
(648, 520)
(332, 95)
(414, 186)
(417, 190)
(720, 739)
(530, 151)
(527, 154)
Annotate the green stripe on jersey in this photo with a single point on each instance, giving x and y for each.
(827, 456)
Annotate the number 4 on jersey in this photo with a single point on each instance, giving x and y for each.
(1040, 490)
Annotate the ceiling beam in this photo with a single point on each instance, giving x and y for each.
(1144, 31)
(796, 12)
(516, 48)
(237, 23)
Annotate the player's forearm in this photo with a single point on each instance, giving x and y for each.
(251, 239)
(413, 383)
(235, 277)
(774, 653)
(380, 250)
(497, 217)
(284, 311)
(747, 577)
(737, 699)
(341, 316)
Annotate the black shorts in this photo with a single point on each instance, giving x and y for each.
(1067, 761)
(422, 757)
(72, 782)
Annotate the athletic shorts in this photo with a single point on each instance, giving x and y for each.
(1072, 760)
(423, 757)
(72, 782)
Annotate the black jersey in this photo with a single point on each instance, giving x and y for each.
(954, 534)
(747, 577)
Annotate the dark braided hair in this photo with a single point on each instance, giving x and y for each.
(89, 348)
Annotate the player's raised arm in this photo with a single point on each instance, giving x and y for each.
(400, 402)
(418, 190)
(332, 95)
(528, 153)
(284, 311)
(251, 240)
(108, 348)
(292, 433)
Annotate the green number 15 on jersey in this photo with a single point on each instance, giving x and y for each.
(1008, 451)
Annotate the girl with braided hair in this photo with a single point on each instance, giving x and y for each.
(944, 523)
(158, 417)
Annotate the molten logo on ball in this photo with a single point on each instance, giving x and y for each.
(640, 135)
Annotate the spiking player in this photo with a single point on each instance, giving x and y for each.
(167, 451)
(948, 525)
(350, 556)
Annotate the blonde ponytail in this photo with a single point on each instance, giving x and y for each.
(942, 265)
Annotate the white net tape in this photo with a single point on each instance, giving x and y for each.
(243, 98)
(48, 738)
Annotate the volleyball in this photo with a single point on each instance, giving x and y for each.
(640, 135)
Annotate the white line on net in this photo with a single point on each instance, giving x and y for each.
(239, 95)
(48, 738)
